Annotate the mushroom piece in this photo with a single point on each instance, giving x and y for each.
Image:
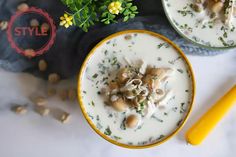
(153, 82)
(129, 94)
(132, 121)
(119, 105)
(113, 85)
(197, 7)
(200, 1)
(149, 110)
(165, 98)
(160, 73)
(123, 75)
(217, 7)
(128, 87)
(148, 79)
(141, 98)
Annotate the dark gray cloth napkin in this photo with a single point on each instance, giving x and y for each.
(72, 45)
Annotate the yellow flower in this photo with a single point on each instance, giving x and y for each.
(115, 7)
(66, 20)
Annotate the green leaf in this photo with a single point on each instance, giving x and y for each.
(107, 22)
(133, 8)
(104, 14)
(126, 18)
(128, 5)
(126, 12)
(107, 131)
(132, 15)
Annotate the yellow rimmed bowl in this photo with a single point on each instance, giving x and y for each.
(111, 54)
(197, 27)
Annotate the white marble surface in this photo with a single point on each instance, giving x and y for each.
(31, 135)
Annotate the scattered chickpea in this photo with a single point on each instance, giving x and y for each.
(119, 105)
(65, 117)
(29, 53)
(63, 94)
(53, 78)
(40, 101)
(3, 25)
(42, 110)
(72, 94)
(34, 23)
(45, 26)
(42, 65)
(22, 7)
(132, 121)
(19, 109)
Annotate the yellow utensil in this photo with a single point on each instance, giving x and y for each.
(198, 132)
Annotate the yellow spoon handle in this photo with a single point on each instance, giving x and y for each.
(198, 132)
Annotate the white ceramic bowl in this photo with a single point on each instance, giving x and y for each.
(206, 34)
(107, 57)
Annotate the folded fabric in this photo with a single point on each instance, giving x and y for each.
(72, 45)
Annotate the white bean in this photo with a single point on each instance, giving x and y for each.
(22, 7)
(65, 117)
(19, 109)
(34, 23)
(42, 65)
(53, 78)
(42, 110)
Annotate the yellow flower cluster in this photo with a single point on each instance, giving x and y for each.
(66, 20)
(115, 7)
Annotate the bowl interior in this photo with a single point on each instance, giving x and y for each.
(110, 55)
(197, 28)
